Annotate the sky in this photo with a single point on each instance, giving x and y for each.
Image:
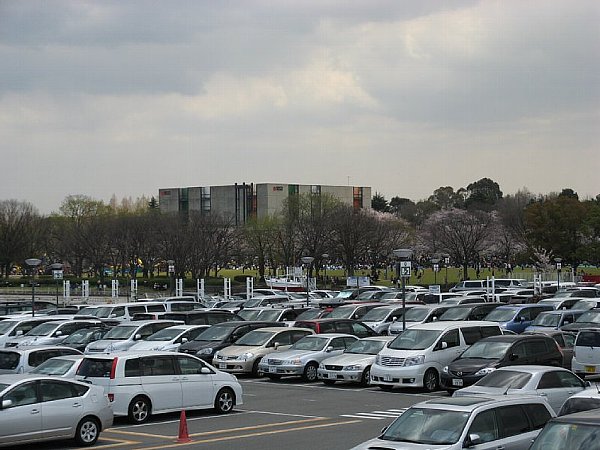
(125, 97)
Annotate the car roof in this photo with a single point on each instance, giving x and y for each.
(533, 369)
(331, 335)
(24, 351)
(469, 404)
(281, 329)
(512, 338)
(16, 377)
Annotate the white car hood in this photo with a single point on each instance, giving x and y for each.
(381, 444)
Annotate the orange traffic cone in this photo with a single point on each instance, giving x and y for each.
(183, 431)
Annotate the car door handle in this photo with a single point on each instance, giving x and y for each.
(184, 378)
(500, 448)
(175, 379)
(35, 411)
(543, 394)
(76, 405)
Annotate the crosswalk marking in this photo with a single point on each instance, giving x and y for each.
(376, 415)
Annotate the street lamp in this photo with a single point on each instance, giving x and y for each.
(558, 267)
(446, 264)
(171, 271)
(57, 274)
(436, 268)
(403, 255)
(325, 256)
(33, 263)
(308, 261)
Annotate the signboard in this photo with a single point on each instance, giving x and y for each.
(358, 281)
(57, 274)
(435, 289)
(171, 268)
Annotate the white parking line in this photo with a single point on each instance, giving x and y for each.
(376, 415)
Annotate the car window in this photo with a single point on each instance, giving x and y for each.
(588, 339)
(360, 330)
(297, 335)
(549, 380)
(471, 334)
(452, 338)
(519, 350)
(559, 340)
(9, 360)
(485, 426)
(158, 366)
(538, 414)
(328, 327)
(512, 420)
(490, 331)
(38, 357)
(147, 330)
(536, 347)
(55, 390)
(189, 366)
(343, 327)
(567, 379)
(285, 338)
(97, 368)
(24, 394)
(337, 343)
(118, 311)
(348, 341)
(525, 313)
(569, 340)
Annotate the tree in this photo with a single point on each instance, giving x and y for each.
(153, 204)
(350, 236)
(482, 194)
(404, 208)
(260, 240)
(445, 197)
(379, 203)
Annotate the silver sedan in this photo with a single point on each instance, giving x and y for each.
(41, 408)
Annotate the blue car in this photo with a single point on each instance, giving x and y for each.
(516, 317)
(553, 320)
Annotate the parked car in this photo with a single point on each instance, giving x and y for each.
(555, 384)
(205, 344)
(468, 285)
(459, 423)
(381, 318)
(354, 365)
(303, 358)
(559, 302)
(311, 313)
(169, 339)
(245, 355)
(141, 384)
(266, 300)
(36, 408)
(124, 336)
(431, 299)
(202, 317)
(416, 357)
(554, 320)
(585, 303)
(565, 341)
(584, 400)
(588, 292)
(462, 300)
(516, 317)
(50, 333)
(573, 431)
(80, 339)
(124, 312)
(59, 366)
(280, 313)
(416, 315)
(15, 327)
(473, 311)
(586, 352)
(352, 311)
(491, 353)
(589, 319)
(15, 360)
(345, 326)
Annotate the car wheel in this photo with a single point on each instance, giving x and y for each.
(139, 410)
(431, 380)
(87, 431)
(328, 382)
(310, 372)
(224, 401)
(365, 380)
(255, 368)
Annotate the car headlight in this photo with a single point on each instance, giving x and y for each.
(445, 369)
(206, 351)
(485, 371)
(378, 359)
(246, 356)
(353, 367)
(322, 366)
(293, 362)
(217, 355)
(414, 360)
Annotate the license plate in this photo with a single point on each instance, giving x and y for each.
(590, 369)
(222, 366)
(272, 369)
(457, 382)
(387, 378)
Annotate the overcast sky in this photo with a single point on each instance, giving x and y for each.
(126, 97)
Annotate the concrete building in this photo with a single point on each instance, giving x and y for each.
(247, 200)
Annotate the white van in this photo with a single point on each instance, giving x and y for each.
(586, 352)
(125, 311)
(417, 356)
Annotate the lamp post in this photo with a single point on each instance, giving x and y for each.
(325, 256)
(558, 262)
(308, 261)
(403, 255)
(446, 264)
(57, 274)
(171, 271)
(436, 267)
(33, 263)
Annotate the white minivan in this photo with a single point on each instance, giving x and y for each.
(417, 356)
(586, 352)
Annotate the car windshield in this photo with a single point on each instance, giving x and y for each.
(79, 336)
(9, 360)
(309, 314)
(416, 314)
(87, 311)
(255, 337)
(249, 314)
(427, 426)
(3, 386)
(376, 315)
(412, 339)
(215, 333)
(505, 379)
(366, 347)
(588, 339)
(589, 317)
(166, 334)
(560, 436)
(389, 296)
(230, 305)
(456, 314)
(486, 350)
(6, 325)
(310, 343)
(345, 294)
(501, 315)
(270, 315)
(121, 332)
(341, 312)
(578, 404)
(43, 329)
(54, 366)
(583, 304)
(546, 320)
(252, 303)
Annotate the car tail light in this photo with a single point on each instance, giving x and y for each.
(111, 397)
(113, 369)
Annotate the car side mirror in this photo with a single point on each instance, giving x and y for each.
(473, 440)
(521, 319)
(394, 319)
(137, 337)
(513, 357)
(276, 345)
(6, 404)
(19, 333)
(184, 340)
(444, 345)
(58, 333)
(566, 322)
(329, 349)
(205, 371)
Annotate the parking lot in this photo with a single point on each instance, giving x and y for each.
(276, 414)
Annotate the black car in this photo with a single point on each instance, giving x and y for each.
(81, 338)
(470, 311)
(588, 319)
(202, 317)
(220, 336)
(488, 354)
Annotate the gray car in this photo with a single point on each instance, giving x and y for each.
(50, 333)
(303, 358)
(382, 317)
(122, 337)
(40, 408)
(482, 423)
